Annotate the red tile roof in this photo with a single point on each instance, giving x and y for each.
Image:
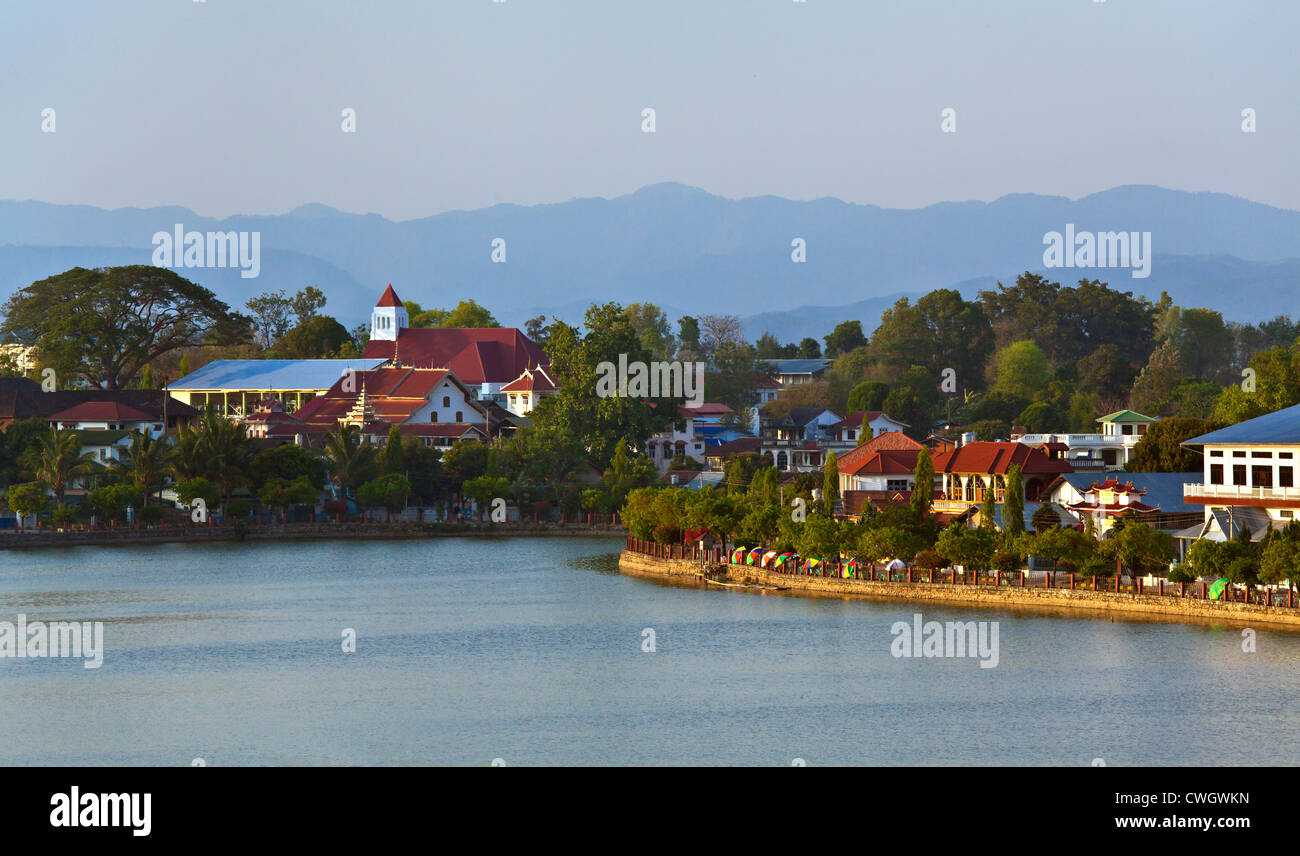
(532, 380)
(389, 297)
(885, 441)
(854, 419)
(891, 461)
(394, 393)
(739, 446)
(101, 411)
(996, 458)
(476, 354)
(706, 409)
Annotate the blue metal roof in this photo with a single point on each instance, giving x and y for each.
(1280, 426)
(790, 366)
(271, 374)
(1163, 489)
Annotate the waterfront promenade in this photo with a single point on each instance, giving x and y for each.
(987, 588)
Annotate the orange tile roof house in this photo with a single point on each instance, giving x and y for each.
(969, 470)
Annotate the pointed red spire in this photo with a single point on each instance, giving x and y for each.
(389, 297)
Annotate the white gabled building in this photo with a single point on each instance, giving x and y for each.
(525, 392)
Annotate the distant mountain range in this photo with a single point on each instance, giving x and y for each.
(690, 251)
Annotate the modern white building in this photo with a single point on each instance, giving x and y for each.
(1108, 450)
(1249, 477)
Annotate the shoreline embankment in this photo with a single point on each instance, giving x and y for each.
(1076, 603)
(298, 532)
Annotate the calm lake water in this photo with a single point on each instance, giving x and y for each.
(530, 651)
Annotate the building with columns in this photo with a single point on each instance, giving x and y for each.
(969, 471)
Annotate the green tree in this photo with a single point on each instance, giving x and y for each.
(830, 483)
(111, 501)
(27, 499)
(1160, 449)
(350, 461)
(191, 489)
(923, 486)
(588, 406)
(104, 325)
(868, 395)
(307, 303)
(272, 316)
(313, 338)
(390, 492)
(393, 457)
(281, 493)
(846, 336)
(1022, 369)
(1013, 508)
(145, 462)
(57, 459)
(1045, 518)
(1280, 558)
(988, 508)
(625, 473)
(1153, 387)
(652, 329)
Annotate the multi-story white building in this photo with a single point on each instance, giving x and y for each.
(1108, 450)
(1249, 477)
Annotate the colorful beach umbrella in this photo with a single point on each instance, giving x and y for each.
(782, 559)
(1216, 590)
(767, 559)
(738, 555)
(753, 556)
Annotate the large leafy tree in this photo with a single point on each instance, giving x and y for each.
(599, 423)
(105, 325)
(1161, 451)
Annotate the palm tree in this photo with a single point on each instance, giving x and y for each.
(226, 450)
(350, 461)
(187, 458)
(146, 462)
(57, 459)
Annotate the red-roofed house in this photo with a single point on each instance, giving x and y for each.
(484, 359)
(525, 392)
(105, 416)
(969, 470)
(846, 433)
(429, 403)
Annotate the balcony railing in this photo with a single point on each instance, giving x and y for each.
(1237, 491)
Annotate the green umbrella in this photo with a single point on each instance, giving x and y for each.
(1216, 590)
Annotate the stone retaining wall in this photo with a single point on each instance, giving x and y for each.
(1084, 602)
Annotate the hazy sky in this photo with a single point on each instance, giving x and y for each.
(233, 106)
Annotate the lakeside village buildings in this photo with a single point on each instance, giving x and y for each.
(441, 386)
